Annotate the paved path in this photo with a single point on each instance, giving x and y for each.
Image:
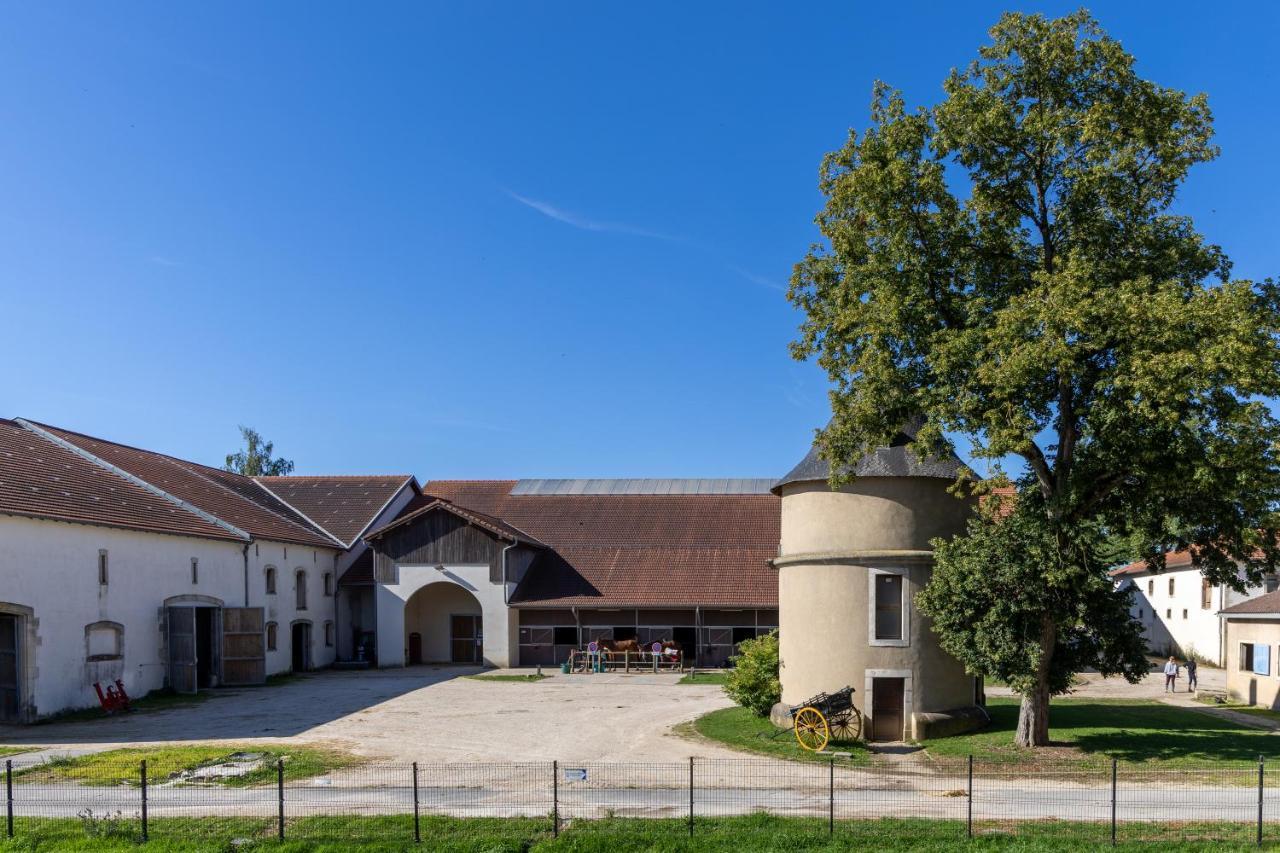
(426, 714)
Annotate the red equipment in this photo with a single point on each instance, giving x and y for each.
(115, 699)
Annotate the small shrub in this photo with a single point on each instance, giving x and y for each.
(753, 683)
(105, 825)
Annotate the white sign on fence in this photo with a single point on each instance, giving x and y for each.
(575, 774)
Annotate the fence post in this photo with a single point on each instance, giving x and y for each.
(1113, 802)
(691, 796)
(1261, 767)
(280, 797)
(8, 792)
(143, 771)
(417, 829)
(555, 799)
(969, 799)
(831, 797)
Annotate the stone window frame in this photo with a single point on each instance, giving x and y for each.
(270, 575)
(905, 640)
(300, 591)
(104, 624)
(272, 631)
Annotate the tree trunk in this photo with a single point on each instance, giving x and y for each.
(1033, 715)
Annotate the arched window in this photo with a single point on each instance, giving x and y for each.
(328, 633)
(271, 636)
(104, 641)
(300, 588)
(271, 580)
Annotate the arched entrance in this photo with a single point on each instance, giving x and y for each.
(442, 624)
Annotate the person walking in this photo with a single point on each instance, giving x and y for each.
(1170, 675)
(1191, 675)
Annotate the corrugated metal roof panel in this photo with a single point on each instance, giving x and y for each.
(654, 486)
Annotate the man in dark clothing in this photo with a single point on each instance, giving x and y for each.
(1191, 674)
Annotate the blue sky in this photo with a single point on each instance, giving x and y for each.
(479, 239)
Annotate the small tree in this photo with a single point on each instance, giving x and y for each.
(753, 683)
(1055, 310)
(255, 460)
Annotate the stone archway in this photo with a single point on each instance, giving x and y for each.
(443, 624)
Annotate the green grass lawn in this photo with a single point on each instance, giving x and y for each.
(13, 750)
(533, 676)
(740, 729)
(748, 834)
(121, 766)
(704, 678)
(1093, 731)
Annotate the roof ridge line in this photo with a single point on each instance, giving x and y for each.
(407, 480)
(309, 519)
(132, 478)
(184, 464)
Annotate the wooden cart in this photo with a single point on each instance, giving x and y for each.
(819, 719)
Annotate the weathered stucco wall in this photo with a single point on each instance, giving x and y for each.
(1246, 685)
(833, 545)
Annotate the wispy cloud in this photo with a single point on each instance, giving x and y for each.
(586, 223)
(761, 280)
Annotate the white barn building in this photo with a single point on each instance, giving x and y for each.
(1178, 608)
(121, 563)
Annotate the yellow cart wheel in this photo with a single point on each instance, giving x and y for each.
(811, 729)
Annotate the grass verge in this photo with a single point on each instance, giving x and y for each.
(747, 834)
(1091, 732)
(740, 729)
(704, 678)
(121, 766)
(156, 700)
(530, 677)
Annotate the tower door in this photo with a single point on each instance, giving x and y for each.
(887, 713)
(10, 661)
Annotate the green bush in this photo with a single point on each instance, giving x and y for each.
(753, 683)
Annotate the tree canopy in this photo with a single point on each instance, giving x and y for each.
(1008, 263)
(255, 459)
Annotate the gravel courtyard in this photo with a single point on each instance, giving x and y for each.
(423, 714)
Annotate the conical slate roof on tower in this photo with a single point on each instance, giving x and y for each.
(895, 460)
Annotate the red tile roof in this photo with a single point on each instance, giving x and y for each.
(1264, 604)
(344, 506)
(41, 479)
(423, 504)
(637, 550)
(1173, 560)
(233, 498)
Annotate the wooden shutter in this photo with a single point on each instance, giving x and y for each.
(182, 649)
(244, 657)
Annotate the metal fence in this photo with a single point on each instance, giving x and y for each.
(936, 799)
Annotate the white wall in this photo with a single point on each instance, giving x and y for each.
(499, 621)
(281, 608)
(52, 568)
(1180, 619)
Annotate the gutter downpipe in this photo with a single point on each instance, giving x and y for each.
(245, 552)
(506, 601)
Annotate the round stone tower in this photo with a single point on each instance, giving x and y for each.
(849, 565)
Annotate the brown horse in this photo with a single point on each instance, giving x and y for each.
(619, 647)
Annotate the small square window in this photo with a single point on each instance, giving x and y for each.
(1184, 613)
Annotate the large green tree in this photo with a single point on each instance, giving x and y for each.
(255, 460)
(1007, 264)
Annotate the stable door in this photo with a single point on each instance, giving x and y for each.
(465, 638)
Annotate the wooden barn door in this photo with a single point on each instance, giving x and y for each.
(182, 649)
(244, 654)
(10, 662)
(465, 637)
